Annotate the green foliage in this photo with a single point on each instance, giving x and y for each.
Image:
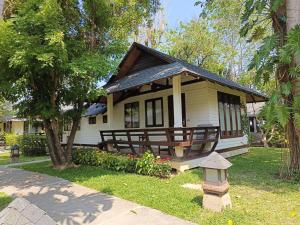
(4, 200)
(197, 44)
(12, 139)
(33, 145)
(55, 53)
(272, 123)
(147, 165)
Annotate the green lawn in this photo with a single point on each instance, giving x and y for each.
(4, 200)
(5, 158)
(258, 196)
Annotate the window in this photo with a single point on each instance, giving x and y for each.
(104, 118)
(154, 112)
(92, 120)
(132, 118)
(67, 125)
(229, 115)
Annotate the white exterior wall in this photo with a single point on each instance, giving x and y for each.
(201, 109)
(17, 127)
(88, 133)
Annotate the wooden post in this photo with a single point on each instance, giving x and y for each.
(110, 110)
(177, 104)
(177, 101)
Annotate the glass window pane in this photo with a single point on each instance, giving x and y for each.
(149, 112)
(221, 115)
(238, 114)
(227, 114)
(158, 112)
(127, 115)
(135, 115)
(233, 117)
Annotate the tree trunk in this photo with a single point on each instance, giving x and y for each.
(293, 19)
(265, 141)
(53, 142)
(75, 124)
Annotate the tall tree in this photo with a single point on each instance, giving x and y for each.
(55, 52)
(223, 17)
(279, 54)
(196, 43)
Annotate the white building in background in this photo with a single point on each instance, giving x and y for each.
(21, 126)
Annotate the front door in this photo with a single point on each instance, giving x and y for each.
(171, 110)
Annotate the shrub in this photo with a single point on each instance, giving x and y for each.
(33, 145)
(146, 165)
(11, 139)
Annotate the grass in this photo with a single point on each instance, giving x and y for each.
(5, 158)
(4, 200)
(258, 195)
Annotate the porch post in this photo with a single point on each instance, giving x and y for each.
(176, 81)
(177, 101)
(110, 110)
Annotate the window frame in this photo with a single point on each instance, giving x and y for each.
(230, 101)
(92, 120)
(131, 115)
(155, 124)
(104, 119)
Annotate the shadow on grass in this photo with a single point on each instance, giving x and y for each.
(259, 169)
(198, 200)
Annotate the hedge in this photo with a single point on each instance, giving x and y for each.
(145, 165)
(33, 144)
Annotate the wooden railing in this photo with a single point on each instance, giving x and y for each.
(171, 137)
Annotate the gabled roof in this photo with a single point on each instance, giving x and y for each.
(215, 161)
(168, 67)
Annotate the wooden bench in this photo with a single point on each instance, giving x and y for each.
(168, 137)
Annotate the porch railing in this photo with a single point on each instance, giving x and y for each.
(185, 137)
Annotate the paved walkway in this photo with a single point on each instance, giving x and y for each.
(72, 204)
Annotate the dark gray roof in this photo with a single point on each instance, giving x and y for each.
(95, 109)
(145, 76)
(164, 71)
(175, 66)
(215, 161)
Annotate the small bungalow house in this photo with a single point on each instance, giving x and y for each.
(164, 104)
(20, 125)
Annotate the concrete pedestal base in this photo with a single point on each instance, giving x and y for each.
(216, 203)
(179, 151)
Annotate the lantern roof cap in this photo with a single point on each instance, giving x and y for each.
(215, 161)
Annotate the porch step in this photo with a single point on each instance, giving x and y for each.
(182, 165)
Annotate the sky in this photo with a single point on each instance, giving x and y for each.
(179, 10)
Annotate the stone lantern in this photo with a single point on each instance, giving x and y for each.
(215, 187)
(15, 153)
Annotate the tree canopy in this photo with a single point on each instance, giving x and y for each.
(55, 52)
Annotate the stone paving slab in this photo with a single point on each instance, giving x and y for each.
(71, 204)
(22, 212)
